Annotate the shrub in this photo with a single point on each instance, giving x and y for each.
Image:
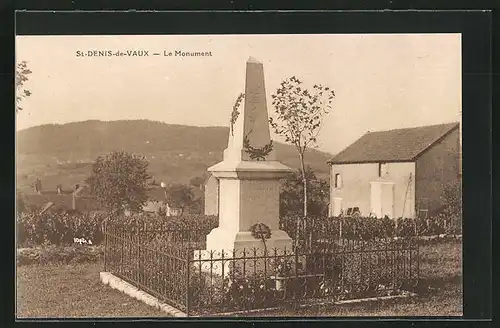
(58, 228)
(59, 254)
(367, 228)
(62, 227)
(233, 292)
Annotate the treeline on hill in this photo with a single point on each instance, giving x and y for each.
(175, 152)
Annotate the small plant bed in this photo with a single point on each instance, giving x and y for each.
(51, 254)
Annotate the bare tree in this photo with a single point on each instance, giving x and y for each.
(299, 114)
(22, 72)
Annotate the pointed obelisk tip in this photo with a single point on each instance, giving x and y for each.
(253, 60)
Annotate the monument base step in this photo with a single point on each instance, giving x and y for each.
(221, 239)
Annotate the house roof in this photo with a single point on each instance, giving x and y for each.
(210, 179)
(64, 201)
(60, 201)
(82, 191)
(397, 145)
(152, 206)
(84, 204)
(156, 194)
(47, 206)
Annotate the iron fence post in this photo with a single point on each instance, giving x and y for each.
(105, 245)
(188, 289)
(340, 229)
(418, 262)
(121, 252)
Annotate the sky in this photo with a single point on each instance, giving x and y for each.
(381, 81)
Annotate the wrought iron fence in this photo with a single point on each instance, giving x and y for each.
(139, 257)
(206, 282)
(245, 280)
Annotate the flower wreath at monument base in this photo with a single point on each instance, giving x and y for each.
(260, 231)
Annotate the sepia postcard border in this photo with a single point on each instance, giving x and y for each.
(475, 27)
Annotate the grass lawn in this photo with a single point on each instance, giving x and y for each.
(75, 291)
(72, 290)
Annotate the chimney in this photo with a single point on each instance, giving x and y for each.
(73, 201)
(38, 186)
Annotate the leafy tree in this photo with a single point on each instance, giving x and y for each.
(449, 214)
(298, 118)
(197, 182)
(22, 72)
(180, 196)
(119, 181)
(197, 206)
(20, 203)
(292, 194)
(162, 212)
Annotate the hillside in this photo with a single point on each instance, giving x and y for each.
(64, 153)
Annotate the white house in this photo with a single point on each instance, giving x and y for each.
(398, 173)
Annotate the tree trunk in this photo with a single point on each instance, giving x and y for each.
(304, 181)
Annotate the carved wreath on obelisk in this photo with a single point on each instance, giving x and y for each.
(258, 154)
(254, 152)
(235, 113)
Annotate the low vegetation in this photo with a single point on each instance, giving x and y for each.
(57, 255)
(35, 229)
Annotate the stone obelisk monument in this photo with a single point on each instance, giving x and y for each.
(249, 175)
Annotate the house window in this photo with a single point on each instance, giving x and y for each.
(338, 181)
(382, 170)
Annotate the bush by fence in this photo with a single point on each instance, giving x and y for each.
(57, 228)
(366, 228)
(62, 227)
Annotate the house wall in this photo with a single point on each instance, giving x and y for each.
(212, 196)
(172, 211)
(404, 189)
(356, 190)
(436, 168)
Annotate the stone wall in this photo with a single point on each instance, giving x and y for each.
(212, 196)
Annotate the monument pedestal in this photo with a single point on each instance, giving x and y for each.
(249, 195)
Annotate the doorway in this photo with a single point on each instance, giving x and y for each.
(382, 198)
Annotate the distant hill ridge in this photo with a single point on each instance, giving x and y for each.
(172, 150)
(133, 135)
